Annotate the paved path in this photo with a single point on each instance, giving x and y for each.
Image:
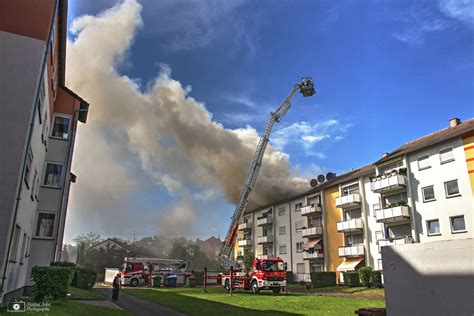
(101, 303)
(137, 306)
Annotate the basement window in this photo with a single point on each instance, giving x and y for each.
(61, 126)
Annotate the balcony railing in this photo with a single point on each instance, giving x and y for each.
(311, 210)
(350, 225)
(265, 221)
(312, 232)
(394, 214)
(314, 255)
(245, 242)
(265, 239)
(352, 251)
(245, 226)
(399, 241)
(350, 200)
(387, 183)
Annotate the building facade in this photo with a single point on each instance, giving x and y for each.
(39, 118)
(421, 192)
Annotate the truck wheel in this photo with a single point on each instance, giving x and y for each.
(276, 290)
(254, 287)
(134, 282)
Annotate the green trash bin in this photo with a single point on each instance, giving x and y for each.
(156, 281)
(191, 281)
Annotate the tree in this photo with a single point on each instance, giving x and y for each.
(248, 259)
(182, 249)
(65, 254)
(88, 239)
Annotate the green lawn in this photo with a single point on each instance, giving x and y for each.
(360, 291)
(218, 302)
(81, 294)
(73, 308)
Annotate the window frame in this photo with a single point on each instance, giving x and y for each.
(285, 248)
(298, 206)
(446, 150)
(16, 240)
(28, 166)
(69, 127)
(300, 249)
(428, 227)
(446, 189)
(423, 194)
(282, 211)
(302, 225)
(299, 265)
(33, 185)
(280, 231)
(423, 157)
(44, 174)
(451, 224)
(35, 236)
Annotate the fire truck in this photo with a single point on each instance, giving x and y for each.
(268, 273)
(139, 271)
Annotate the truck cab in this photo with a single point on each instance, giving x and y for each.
(268, 274)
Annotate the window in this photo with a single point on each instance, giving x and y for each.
(37, 188)
(380, 264)
(29, 162)
(282, 249)
(424, 162)
(428, 193)
(53, 174)
(315, 222)
(23, 249)
(61, 127)
(395, 200)
(317, 267)
(299, 225)
(299, 246)
(350, 189)
(33, 189)
(300, 268)
(354, 239)
(16, 240)
(433, 227)
(446, 155)
(452, 188)
(45, 225)
(281, 211)
(44, 130)
(298, 207)
(282, 230)
(457, 224)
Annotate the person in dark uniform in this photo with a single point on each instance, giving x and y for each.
(117, 284)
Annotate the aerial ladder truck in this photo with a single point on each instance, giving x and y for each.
(261, 277)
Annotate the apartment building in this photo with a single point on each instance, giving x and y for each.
(39, 118)
(420, 192)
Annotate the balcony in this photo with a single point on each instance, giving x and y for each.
(311, 210)
(352, 251)
(400, 241)
(265, 221)
(346, 201)
(314, 255)
(312, 232)
(351, 225)
(265, 239)
(245, 242)
(387, 183)
(393, 215)
(267, 256)
(245, 226)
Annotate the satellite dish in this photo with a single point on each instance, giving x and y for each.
(313, 183)
(321, 178)
(330, 176)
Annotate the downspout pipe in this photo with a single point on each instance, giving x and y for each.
(28, 143)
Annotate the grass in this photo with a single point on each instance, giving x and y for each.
(218, 302)
(81, 294)
(360, 291)
(74, 308)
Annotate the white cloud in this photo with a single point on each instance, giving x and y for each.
(462, 10)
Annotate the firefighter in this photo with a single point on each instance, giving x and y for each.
(117, 285)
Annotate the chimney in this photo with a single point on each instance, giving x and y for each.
(384, 155)
(454, 122)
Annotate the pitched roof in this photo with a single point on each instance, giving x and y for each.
(431, 139)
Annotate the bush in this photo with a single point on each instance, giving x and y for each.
(84, 278)
(351, 279)
(199, 275)
(377, 279)
(290, 278)
(50, 282)
(323, 279)
(62, 264)
(365, 276)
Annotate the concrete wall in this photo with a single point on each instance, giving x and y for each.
(432, 278)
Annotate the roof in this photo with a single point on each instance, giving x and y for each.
(431, 139)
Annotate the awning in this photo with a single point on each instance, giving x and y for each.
(311, 244)
(349, 264)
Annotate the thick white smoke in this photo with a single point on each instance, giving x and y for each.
(161, 133)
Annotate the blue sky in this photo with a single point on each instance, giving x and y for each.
(385, 72)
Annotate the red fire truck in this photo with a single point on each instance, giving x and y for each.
(139, 271)
(266, 274)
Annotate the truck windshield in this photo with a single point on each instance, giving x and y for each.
(273, 266)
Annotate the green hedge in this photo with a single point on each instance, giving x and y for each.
(365, 276)
(84, 278)
(290, 278)
(351, 279)
(377, 279)
(50, 282)
(323, 279)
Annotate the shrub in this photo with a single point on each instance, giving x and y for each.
(62, 264)
(84, 278)
(50, 281)
(323, 279)
(351, 279)
(365, 275)
(377, 279)
(199, 275)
